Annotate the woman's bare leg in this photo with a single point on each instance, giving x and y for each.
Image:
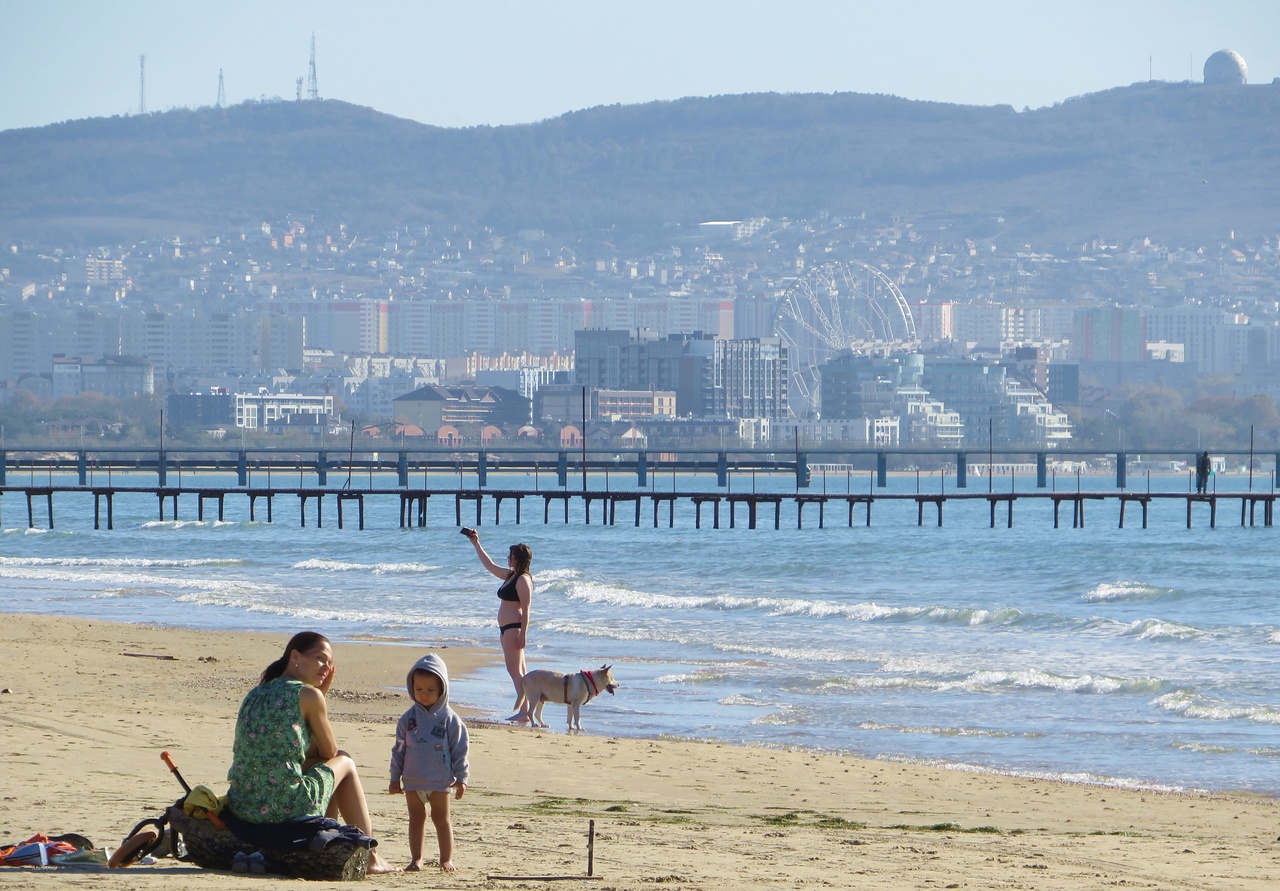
(513, 656)
(348, 799)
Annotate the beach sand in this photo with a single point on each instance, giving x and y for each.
(87, 708)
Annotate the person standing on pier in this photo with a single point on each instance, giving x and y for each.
(1204, 466)
(514, 595)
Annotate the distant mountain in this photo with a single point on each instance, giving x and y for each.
(1178, 162)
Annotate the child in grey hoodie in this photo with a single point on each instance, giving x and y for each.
(429, 758)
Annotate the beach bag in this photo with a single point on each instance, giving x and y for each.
(35, 851)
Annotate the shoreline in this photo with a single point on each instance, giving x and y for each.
(90, 705)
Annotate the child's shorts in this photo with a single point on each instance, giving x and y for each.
(424, 795)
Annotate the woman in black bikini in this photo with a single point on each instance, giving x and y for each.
(513, 610)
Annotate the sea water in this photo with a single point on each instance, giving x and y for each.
(1144, 657)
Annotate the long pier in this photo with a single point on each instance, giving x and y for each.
(39, 503)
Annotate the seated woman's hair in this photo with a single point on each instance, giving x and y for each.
(303, 642)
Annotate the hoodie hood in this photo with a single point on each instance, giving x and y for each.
(434, 664)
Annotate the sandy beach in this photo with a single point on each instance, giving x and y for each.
(87, 707)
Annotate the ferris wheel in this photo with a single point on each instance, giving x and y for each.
(835, 306)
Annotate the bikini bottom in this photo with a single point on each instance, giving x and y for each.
(503, 629)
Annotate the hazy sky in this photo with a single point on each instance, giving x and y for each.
(470, 62)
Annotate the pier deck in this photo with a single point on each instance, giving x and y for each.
(413, 503)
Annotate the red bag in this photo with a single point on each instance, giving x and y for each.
(35, 851)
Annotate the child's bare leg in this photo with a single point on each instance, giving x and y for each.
(417, 828)
(444, 829)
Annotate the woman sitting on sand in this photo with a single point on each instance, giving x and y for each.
(286, 762)
(514, 594)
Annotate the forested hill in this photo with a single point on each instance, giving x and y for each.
(1178, 162)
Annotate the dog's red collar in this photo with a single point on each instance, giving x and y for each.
(591, 685)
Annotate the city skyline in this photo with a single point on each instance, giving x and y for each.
(522, 62)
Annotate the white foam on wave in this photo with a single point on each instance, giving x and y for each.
(129, 562)
(1203, 748)
(944, 731)
(1123, 591)
(1190, 704)
(165, 525)
(1159, 629)
(701, 676)
(320, 564)
(265, 599)
(612, 595)
(995, 681)
(1273, 637)
(1081, 778)
(685, 637)
(786, 716)
(103, 578)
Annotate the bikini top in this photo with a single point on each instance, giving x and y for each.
(508, 589)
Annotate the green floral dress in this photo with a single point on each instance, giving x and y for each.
(268, 784)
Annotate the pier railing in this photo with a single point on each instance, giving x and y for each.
(568, 465)
(808, 480)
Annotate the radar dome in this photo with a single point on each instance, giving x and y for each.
(1225, 67)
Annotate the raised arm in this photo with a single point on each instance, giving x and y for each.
(496, 568)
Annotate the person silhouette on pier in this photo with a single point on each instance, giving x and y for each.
(1204, 467)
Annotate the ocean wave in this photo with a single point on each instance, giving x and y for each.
(1159, 629)
(944, 731)
(1079, 777)
(129, 562)
(1123, 592)
(785, 717)
(611, 595)
(1203, 748)
(136, 581)
(1274, 637)
(168, 525)
(1190, 704)
(254, 599)
(701, 676)
(994, 681)
(320, 564)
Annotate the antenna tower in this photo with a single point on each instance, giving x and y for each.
(222, 94)
(313, 91)
(299, 89)
(142, 84)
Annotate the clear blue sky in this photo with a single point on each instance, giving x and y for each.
(468, 62)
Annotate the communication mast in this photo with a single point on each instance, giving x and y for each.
(222, 94)
(313, 91)
(299, 89)
(142, 84)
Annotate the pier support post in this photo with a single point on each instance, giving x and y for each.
(242, 468)
(4, 459)
(562, 468)
(962, 470)
(1122, 460)
(642, 469)
(882, 469)
(162, 469)
(82, 467)
(482, 467)
(1042, 470)
(402, 469)
(322, 469)
(802, 470)
(722, 469)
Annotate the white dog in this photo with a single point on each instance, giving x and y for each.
(540, 686)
